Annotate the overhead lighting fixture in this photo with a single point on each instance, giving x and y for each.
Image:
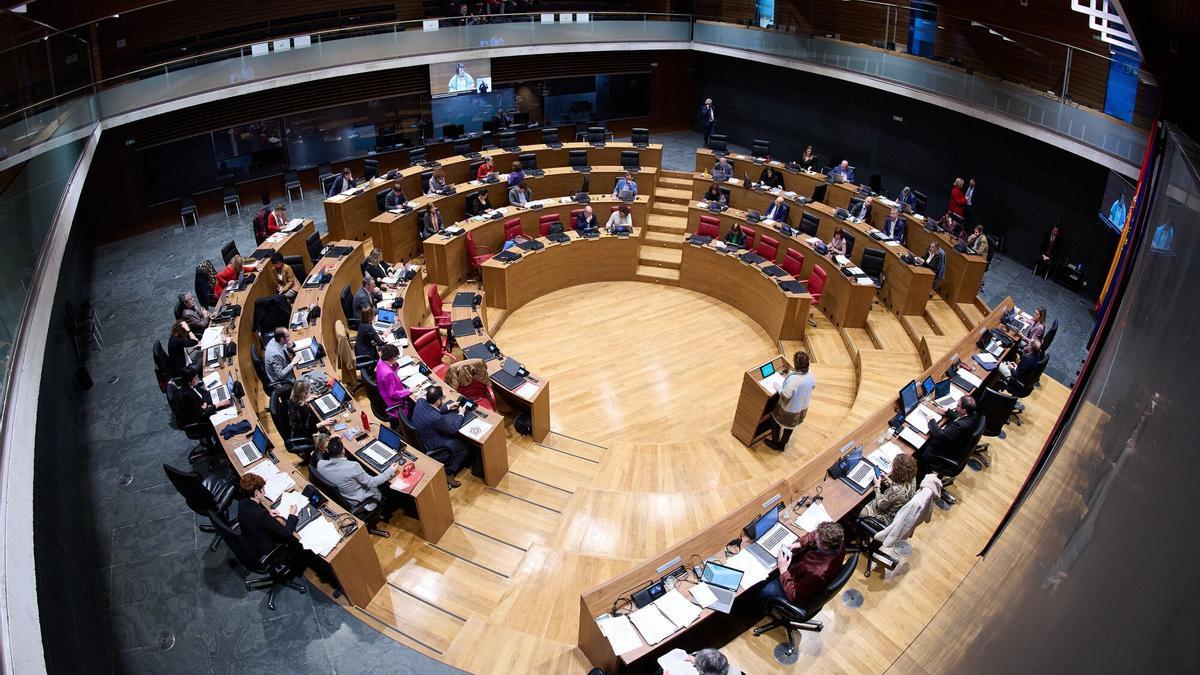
(19, 9)
(1007, 39)
(1104, 19)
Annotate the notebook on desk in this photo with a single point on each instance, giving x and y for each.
(463, 327)
(774, 271)
(508, 380)
(478, 352)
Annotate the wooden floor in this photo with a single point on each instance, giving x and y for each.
(644, 381)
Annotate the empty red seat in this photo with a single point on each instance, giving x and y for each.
(768, 247)
(816, 283)
(512, 229)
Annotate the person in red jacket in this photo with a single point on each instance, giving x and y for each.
(958, 199)
(807, 566)
(277, 220)
(486, 169)
(231, 272)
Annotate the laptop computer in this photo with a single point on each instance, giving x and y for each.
(384, 450)
(384, 318)
(770, 536)
(251, 451)
(219, 391)
(942, 392)
(214, 354)
(332, 402)
(724, 582)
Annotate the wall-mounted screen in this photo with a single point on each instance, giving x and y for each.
(472, 113)
(460, 77)
(1117, 195)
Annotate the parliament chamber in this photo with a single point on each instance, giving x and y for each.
(522, 381)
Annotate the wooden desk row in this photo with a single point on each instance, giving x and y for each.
(346, 216)
(803, 183)
(289, 244)
(845, 303)
(906, 288)
(839, 500)
(446, 255)
(398, 235)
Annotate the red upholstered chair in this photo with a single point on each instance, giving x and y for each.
(750, 235)
(478, 254)
(428, 345)
(709, 227)
(441, 318)
(512, 229)
(816, 283)
(545, 222)
(481, 394)
(793, 262)
(575, 216)
(768, 247)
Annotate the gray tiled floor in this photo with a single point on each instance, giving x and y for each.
(152, 571)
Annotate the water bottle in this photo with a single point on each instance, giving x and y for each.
(366, 422)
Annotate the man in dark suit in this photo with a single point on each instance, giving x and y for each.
(708, 119)
(431, 222)
(777, 211)
(437, 425)
(259, 528)
(1047, 253)
(586, 220)
(366, 296)
(342, 183)
(947, 441)
(192, 401)
(893, 226)
(395, 197)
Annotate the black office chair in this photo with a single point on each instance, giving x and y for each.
(726, 191)
(507, 140)
(855, 203)
(325, 175)
(228, 251)
(370, 168)
(314, 246)
(473, 169)
(462, 146)
(947, 466)
(378, 407)
(369, 510)
(418, 156)
(201, 430)
(409, 432)
(1048, 338)
(875, 182)
(296, 263)
(760, 148)
(922, 202)
(868, 528)
(631, 160)
(381, 200)
(849, 238)
(204, 495)
(162, 367)
(229, 195)
(426, 177)
(276, 567)
(187, 207)
(260, 368)
(550, 137)
(792, 618)
(578, 160)
(996, 408)
(346, 298)
(809, 224)
(1022, 388)
(528, 161)
(718, 143)
(291, 181)
(301, 446)
(872, 264)
(640, 137)
(596, 135)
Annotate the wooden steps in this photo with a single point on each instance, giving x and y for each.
(658, 222)
(676, 183)
(657, 256)
(669, 209)
(662, 239)
(672, 195)
(658, 275)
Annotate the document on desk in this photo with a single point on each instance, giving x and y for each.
(223, 415)
(211, 337)
(702, 594)
(864, 281)
(319, 536)
(527, 391)
(289, 499)
(812, 517)
(912, 438)
(675, 662)
(921, 416)
(653, 625)
(884, 455)
(891, 242)
(277, 481)
(752, 570)
(302, 344)
(681, 611)
(620, 633)
(772, 382)
(970, 377)
(476, 430)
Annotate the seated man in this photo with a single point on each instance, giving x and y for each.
(947, 441)
(722, 170)
(893, 226)
(431, 222)
(586, 220)
(342, 183)
(907, 198)
(281, 276)
(278, 359)
(864, 209)
(366, 297)
(520, 194)
(353, 483)
(437, 424)
(844, 171)
(625, 183)
(770, 178)
(807, 566)
(777, 211)
(193, 402)
(395, 197)
(978, 241)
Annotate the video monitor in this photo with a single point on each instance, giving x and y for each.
(473, 76)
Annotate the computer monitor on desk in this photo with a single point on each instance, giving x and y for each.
(908, 397)
(927, 386)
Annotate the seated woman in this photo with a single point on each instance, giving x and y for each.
(470, 378)
(301, 418)
(735, 236)
(437, 183)
(838, 243)
(894, 491)
(391, 390)
(714, 194)
(375, 266)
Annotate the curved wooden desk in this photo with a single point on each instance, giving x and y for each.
(446, 255)
(726, 277)
(845, 303)
(804, 183)
(346, 216)
(398, 235)
(508, 286)
(838, 500)
(533, 396)
(964, 271)
(288, 244)
(907, 287)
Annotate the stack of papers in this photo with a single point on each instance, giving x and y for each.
(223, 415)
(883, 456)
(277, 481)
(675, 662)
(921, 416)
(681, 611)
(702, 594)
(864, 281)
(276, 237)
(891, 242)
(211, 337)
(620, 633)
(653, 625)
(319, 536)
(812, 517)
(841, 259)
(912, 438)
(527, 391)
(415, 381)
(753, 571)
(477, 429)
(289, 499)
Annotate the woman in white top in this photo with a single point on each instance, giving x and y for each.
(620, 219)
(794, 395)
